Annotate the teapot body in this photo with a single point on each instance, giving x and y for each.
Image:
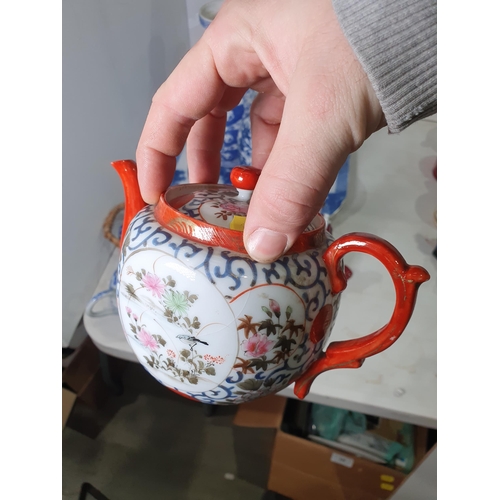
(214, 325)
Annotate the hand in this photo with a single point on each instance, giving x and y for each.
(315, 107)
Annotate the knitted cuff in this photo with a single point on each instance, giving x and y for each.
(396, 43)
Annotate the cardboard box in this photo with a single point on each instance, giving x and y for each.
(254, 434)
(68, 400)
(303, 470)
(83, 379)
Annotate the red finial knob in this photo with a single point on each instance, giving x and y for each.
(245, 177)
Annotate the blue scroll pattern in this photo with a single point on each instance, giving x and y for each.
(232, 274)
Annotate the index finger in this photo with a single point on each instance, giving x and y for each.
(192, 90)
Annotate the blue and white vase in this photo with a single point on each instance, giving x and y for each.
(237, 146)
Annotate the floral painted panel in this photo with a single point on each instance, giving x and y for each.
(212, 323)
(170, 327)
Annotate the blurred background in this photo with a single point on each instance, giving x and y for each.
(131, 437)
(116, 53)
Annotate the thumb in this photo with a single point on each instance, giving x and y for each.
(325, 118)
(291, 190)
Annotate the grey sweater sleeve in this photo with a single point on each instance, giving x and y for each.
(396, 43)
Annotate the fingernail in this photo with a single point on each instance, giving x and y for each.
(265, 245)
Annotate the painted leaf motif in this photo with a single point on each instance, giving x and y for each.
(269, 326)
(259, 363)
(293, 328)
(185, 352)
(244, 365)
(288, 312)
(192, 379)
(210, 370)
(285, 343)
(298, 357)
(160, 340)
(133, 328)
(250, 384)
(269, 382)
(279, 357)
(191, 298)
(267, 311)
(130, 290)
(224, 214)
(247, 326)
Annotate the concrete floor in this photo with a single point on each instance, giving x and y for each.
(151, 444)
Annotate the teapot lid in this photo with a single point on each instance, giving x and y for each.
(215, 214)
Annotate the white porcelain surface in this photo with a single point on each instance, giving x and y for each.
(178, 349)
(387, 167)
(213, 324)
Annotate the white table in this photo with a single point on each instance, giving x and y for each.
(392, 193)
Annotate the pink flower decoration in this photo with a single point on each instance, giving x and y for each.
(275, 307)
(170, 353)
(128, 310)
(257, 345)
(147, 339)
(135, 317)
(234, 208)
(154, 284)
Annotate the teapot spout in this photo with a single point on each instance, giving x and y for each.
(127, 170)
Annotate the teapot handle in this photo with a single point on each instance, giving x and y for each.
(352, 353)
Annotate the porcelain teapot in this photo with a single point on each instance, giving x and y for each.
(215, 326)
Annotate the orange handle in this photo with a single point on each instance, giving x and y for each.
(406, 278)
